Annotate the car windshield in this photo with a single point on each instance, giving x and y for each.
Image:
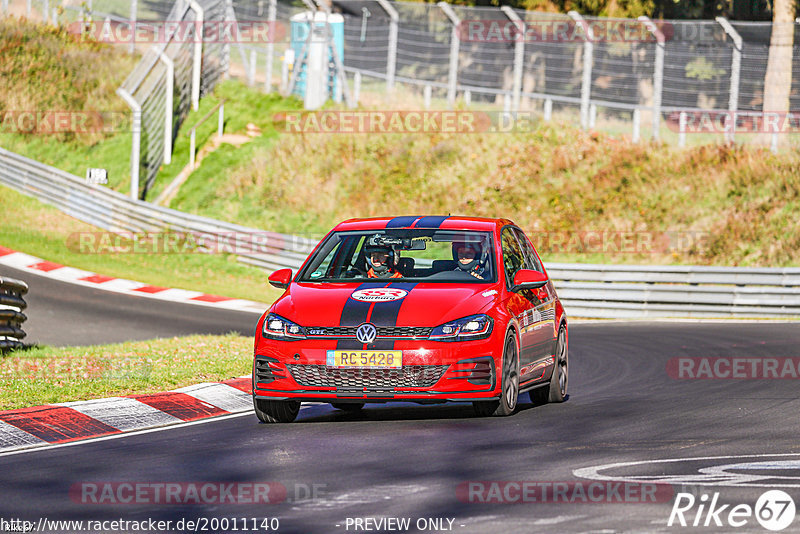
(418, 255)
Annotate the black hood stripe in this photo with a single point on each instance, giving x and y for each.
(402, 222)
(431, 221)
(354, 313)
(385, 314)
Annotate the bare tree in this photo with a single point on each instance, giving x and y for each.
(778, 81)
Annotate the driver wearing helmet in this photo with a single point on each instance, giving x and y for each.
(381, 259)
(469, 258)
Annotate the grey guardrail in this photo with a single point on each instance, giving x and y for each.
(112, 211)
(633, 291)
(618, 291)
(12, 304)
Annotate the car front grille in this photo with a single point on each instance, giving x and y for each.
(371, 379)
(383, 331)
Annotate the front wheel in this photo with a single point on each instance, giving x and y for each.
(509, 385)
(272, 411)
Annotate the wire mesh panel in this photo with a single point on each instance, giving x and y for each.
(423, 43)
(148, 83)
(697, 65)
(552, 65)
(486, 51)
(366, 35)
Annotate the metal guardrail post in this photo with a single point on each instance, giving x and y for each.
(169, 91)
(637, 124)
(391, 56)
(455, 43)
(586, 81)
(736, 65)
(5, 6)
(682, 129)
(519, 56)
(272, 10)
(356, 87)
(28, 8)
(548, 109)
(197, 64)
(45, 10)
(136, 138)
(658, 74)
(221, 120)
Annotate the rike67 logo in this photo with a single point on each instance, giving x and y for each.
(774, 510)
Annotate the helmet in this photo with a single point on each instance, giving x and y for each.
(374, 244)
(478, 254)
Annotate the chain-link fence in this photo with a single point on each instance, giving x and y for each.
(636, 73)
(637, 77)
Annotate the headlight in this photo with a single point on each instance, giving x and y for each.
(276, 327)
(464, 329)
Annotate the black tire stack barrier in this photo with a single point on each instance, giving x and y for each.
(12, 305)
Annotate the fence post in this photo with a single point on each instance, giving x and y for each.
(45, 9)
(592, 116)
(197, 64)
(221, 120)
(736, 65)
(586, 82)
(5, 6)
(391, 56)
(168, 109)
(251, 68)
(548, 109)
(132, 46)
(467, 97)
(271, 16)
(519, 55)
(455, 42)
(427, 96)
(682, 129)
(136, 136)
(28, 8)
(356, 87)
(658, 74)
(637, 120)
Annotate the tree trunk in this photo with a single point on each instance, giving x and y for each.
(778, 81)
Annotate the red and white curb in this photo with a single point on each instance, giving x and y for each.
(38, 266)
(75, 421)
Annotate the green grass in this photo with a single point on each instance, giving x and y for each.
(43, 375)
(53, 238)
(45, 69)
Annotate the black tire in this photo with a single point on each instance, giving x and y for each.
(272, 411)
(348, 406)
(509, 384)
(556, 390)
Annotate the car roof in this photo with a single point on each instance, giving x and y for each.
(445, 222)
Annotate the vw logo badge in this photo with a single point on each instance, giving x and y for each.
(366, 333)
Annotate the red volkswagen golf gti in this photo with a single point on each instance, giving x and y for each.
(423, 309)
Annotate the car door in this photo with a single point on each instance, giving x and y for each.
(544, 310)
(521, 303)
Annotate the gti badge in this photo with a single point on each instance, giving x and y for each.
(366, 333)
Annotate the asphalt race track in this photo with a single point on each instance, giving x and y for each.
(63, 314)
(410, 461)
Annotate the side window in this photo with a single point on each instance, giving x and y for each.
(531, 261)
(513, 259)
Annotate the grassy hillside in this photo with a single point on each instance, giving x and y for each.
(727, 205)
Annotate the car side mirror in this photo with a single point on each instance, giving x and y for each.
(280, 278)
(528, 279)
